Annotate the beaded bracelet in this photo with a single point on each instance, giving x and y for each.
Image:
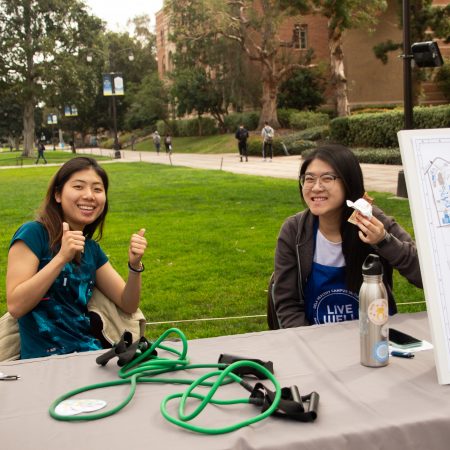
(134, 270)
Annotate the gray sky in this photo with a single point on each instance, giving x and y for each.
(117, 12)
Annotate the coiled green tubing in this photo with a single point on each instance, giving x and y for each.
(146, 368)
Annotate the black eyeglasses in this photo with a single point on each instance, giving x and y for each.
(326, 180)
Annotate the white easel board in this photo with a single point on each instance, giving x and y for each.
(426, 164)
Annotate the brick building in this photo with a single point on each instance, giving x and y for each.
(369, 81)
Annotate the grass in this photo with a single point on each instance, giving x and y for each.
(15, 158)
(220, 143)
(211, 236)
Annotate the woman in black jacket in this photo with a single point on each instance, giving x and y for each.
(319, 252)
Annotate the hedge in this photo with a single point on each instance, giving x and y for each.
(280, 145)
(248, 119)
(373, 155)
(204, 126)
(306, 119)
(380, 129)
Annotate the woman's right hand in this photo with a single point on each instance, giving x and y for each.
(72, 243)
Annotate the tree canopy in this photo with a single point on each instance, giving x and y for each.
(39, 42)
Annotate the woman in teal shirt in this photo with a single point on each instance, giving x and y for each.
(54, 263)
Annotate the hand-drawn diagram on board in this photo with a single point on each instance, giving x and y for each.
(426, 162)
(439, 178)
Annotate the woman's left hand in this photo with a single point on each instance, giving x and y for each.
(138, 244)
(371, 230)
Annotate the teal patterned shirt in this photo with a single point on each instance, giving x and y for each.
(59, 324)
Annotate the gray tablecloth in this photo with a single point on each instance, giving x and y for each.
(400, 406)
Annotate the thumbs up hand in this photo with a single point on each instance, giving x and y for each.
(138, 244)
(72, 242)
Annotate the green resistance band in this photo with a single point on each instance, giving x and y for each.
(145, 369)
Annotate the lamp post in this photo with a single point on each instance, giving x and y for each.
(424, 54)
(112, 87)
(71, 111)
(52, 119)
(407, 58)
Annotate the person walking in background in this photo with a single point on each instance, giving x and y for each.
(157, 141)
(267, 134)
(168, 143)
(72, 146)
(242, 136)
(41, 150)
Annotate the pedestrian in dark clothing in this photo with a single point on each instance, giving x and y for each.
(242, 136)
(168, 143)
(41, 150)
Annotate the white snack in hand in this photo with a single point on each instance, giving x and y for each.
(361, 205)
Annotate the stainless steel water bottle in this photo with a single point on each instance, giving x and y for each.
(373, 315)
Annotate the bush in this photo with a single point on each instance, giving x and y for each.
(378, 155)
(297, 143)
(254, 146)
(204, 126)
(375, 130)
(432, 117)
(319, 133)
(339, 129)
(380, 129)
(307, 119)
(443, 79)
(299, 146)
(305, 89)
(280, 146)
(248, 119)
(373, 155)
(284, 116)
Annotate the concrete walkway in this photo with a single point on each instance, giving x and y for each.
(377, 177)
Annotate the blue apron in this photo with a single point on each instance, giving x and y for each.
(327, 299)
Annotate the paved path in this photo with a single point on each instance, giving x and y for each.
(377, 177)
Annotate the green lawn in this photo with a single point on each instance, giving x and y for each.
(211, 238)
(14, 158)
(221, 143)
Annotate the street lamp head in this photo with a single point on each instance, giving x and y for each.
(130, 57)
(427, 54)
(89, 58)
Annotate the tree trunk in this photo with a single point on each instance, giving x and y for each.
(338, 78)
(269, 98)
(28, 110)
(28, 128)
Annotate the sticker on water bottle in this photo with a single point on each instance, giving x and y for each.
(381, 351)
(378, 311)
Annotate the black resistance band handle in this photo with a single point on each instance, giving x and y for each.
(292, 404)
(246, 370)
(125, 350)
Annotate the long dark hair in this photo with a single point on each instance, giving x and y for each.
(346, 166)
(50, 214)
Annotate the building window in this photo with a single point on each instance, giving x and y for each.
(300, 36)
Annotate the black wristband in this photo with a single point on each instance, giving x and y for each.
(134, 270)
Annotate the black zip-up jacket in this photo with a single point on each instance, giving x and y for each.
(294, 256)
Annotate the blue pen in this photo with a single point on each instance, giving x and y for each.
(401, 354)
